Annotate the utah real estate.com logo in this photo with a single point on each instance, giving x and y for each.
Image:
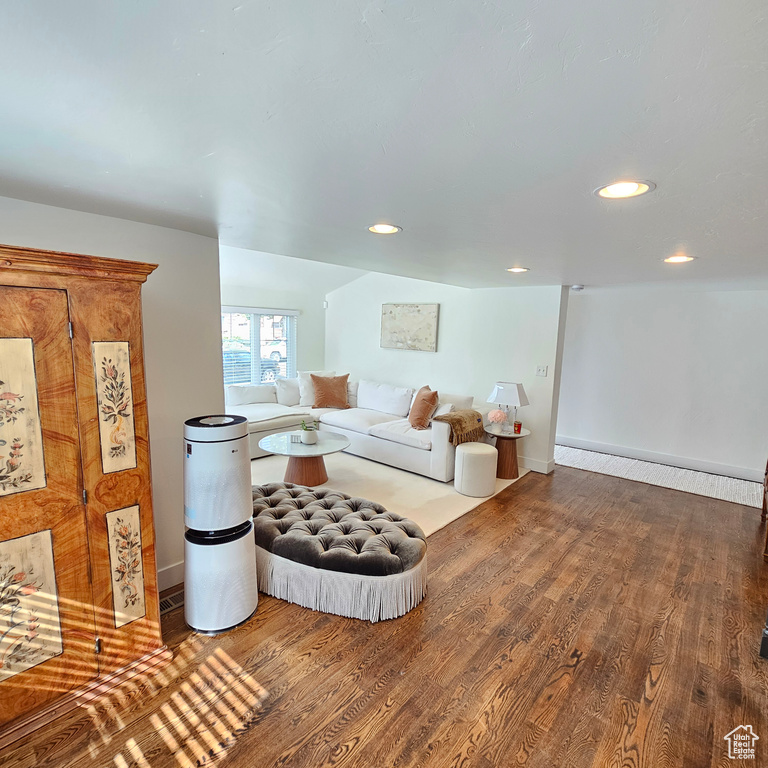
(741, 743)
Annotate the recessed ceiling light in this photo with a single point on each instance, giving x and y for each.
(678, 258)
(384, 229)
(621, 189)
(517, 269)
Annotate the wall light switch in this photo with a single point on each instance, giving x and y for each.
(541, 370)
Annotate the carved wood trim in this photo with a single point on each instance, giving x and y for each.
(34, 260)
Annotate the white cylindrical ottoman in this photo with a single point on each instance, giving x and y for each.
(475, 469)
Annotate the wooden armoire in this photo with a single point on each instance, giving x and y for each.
(78, 579)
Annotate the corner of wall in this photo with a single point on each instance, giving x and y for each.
(564, 295)
(536, 465)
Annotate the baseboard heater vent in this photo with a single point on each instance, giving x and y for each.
(171, 602)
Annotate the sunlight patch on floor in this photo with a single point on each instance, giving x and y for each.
(207, 711)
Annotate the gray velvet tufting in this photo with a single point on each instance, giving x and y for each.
(329, 530)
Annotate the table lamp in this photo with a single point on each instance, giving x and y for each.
(507, 393)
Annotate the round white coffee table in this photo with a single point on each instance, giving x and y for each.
(506, 444)
(305, 462)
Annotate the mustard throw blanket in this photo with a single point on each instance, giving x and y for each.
(466, 425)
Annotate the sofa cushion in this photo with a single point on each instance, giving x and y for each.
(423, 406)
(352, 393)
(269, 415)
(306, 388)
(402, 432)
(314, 413)
(287, 391)
(330, 391)
(384, 397)
(240, 394)
(355, 419)
(278, 424)
(461, 402)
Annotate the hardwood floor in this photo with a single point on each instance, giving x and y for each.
(574, 620)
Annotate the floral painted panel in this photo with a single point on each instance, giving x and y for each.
(112, 366)
(124, 534)
(30, 629)
(22, 464)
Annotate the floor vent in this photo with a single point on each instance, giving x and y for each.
(171, 602)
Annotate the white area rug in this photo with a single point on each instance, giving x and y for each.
(688, 480)
(429, 503)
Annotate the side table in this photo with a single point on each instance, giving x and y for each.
(506, 444)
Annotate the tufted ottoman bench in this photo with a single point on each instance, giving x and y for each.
(328, 551)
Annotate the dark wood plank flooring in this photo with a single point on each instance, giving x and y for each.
(574, 620)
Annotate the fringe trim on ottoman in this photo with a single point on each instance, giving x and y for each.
(371, 598)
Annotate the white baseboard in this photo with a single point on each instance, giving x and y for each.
(536, 465)
(170, 576)
(710, 467)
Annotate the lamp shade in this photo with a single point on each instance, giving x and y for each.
(508, 393)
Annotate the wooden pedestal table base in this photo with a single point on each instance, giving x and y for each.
(506, 444)
(306, 470)
(305, 462)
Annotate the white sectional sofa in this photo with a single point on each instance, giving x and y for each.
(377, 423)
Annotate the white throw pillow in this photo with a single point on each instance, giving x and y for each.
(384, 398)
(443, 408)
(287, 391)
(306, 388)
(352, 393)
(242, 394)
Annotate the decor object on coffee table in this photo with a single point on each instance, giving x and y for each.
(506, 444)
(308, 433)
(305, 462)
(506, 394)
(324, 550)
(476, 469)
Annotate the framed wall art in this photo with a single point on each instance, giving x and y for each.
(112, 369)
(409, 326)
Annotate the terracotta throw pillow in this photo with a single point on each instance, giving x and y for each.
(424, 405)
(330, 391)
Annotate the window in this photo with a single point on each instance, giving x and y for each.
(258, 345)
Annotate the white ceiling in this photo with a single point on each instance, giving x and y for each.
(258, 271)
(481, 128)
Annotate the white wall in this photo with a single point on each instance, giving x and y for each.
(669, 375)
(182, 336)
(258, 279)
(484, 336)
(310, 329)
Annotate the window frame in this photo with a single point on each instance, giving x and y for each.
(256, 360)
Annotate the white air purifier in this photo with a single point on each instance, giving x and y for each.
(217, 473)
(220, 588)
